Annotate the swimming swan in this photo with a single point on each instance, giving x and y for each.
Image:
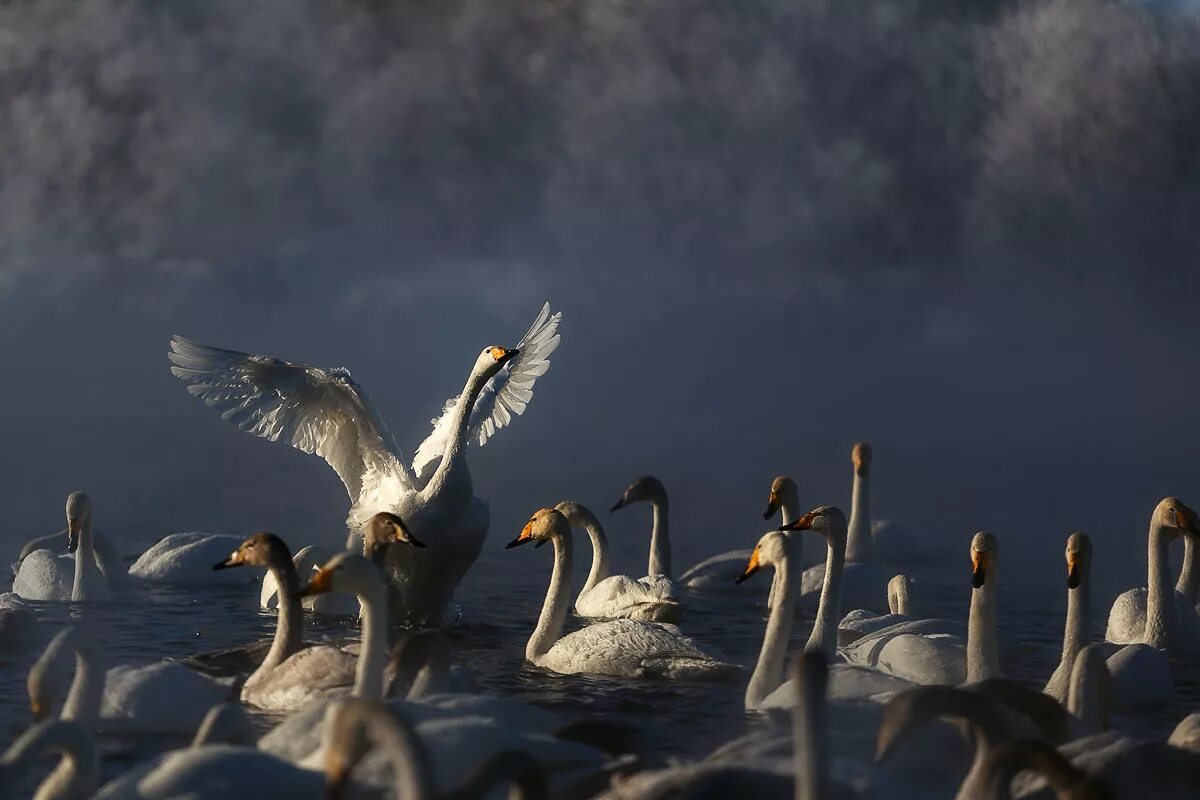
(323, 411)
(860, 621)
(186, 558)
(78, 770)
(106, 555)
(623, 647)
(77, 578)
(652, 598)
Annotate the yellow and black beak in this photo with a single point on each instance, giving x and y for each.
(234, 560)
(336, 779)
(1185, 520)
(74, 526)
(804, 523)
(504, 355)
(979, 564)
(752, 567)
(321, 583)
(525, 536)
(772, 505)
(405, 535)
(1074, 573)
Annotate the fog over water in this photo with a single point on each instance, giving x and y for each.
(964, 232)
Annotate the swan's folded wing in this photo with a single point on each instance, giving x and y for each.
(506, 395)
(321, 411)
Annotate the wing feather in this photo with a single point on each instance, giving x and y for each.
(505, 396)
(320, 411)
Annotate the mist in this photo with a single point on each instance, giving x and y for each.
(964, 233)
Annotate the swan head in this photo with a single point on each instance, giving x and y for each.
(346, 572)
(49, 678)
(770, 551)
(783, 490)
(1171, 513)
(829, 521)
(386, 528)
(544, 525)
(861, 455)
(1079, 557)
(79, 512)
(984, 551)
(646, 488)
(576, 513)
(260, 550)
(493, 358)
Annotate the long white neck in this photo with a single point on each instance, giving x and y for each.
(289, 618)
(824, 633)
(768, 672)
(899, 601)
(368, 673)
(1075, 635)
(1087, 698)
(859, 545)
(87, 687)
(76, 775)
(983, 658)
(789, 511)
(390, 733)
(660, 541)
(457, 438)
(1161, 614)
(600, 568)
(88, 577)
(1189, 575)
(554, 610)
(810, 735)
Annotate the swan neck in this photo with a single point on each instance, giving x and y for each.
(1084, 696)
(1189, 575)
(86, 571)
(459, 428)
(600, 567)
(77, 773)
(87, 687)
(824, 633)
(404, 751)
(809, 731)
(899, 601)
(1161, 616)
(983, 658)
(660, 541)
(859, 546)
(983, 740)
(554, 610)
(768, 671)
(789, 511)
(368, 673)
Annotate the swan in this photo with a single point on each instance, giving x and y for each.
(323, 411)
(378, 534)
(77, 773)
(766, 689)
(650, 489)
(107, 558)
(1089, 694)
(185, 558)
(623, 647)
(720, 571)
(226, 723)
(159, 698)
(1078, 628)
(1156, 615)
(603, 596)
(1003, 762)
(17, 624)
(863, 584)
(292, 675)
(43, 576)
(419, 666)
(939, 658)
(1188, 584)
(861, 622)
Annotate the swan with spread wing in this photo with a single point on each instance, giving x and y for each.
(324, 412)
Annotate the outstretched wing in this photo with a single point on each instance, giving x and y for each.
(505, 395)
(316, 410)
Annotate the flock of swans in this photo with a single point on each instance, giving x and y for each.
(879, 702)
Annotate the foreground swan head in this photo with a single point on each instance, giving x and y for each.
(861, 456)
(829, 521)
(645, 489)
(772, 551)
(383, 529)
(783, 492)
(260, 550)
(984, 548)
(79, 513)
(1079, 558)
(1175, 517)
(544, 525)
(493, 358)
(346, 572)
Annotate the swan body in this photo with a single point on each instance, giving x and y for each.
(232, 773)
(653, 598)
(17, 624)
(187, 558)
(323, 411)
(103, 552)
(622, 647)
(43, 576)
(78, 770)
(861, 621)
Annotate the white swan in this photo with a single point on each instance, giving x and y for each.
(1078, 627)
(864, 583)
(623, 647)
(652, 598)
(720, 571)
(107, 558)
(185, 558)
(1157, 615)
(650, 490)
(43, 576)
(766, 689)
(78, 770)
(323, 411)
(17, 624)
(939, 658)
(159, 698)
(860, 622)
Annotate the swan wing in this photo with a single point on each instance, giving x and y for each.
(506, 395)
(321, 411)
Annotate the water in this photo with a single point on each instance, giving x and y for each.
(496, 609)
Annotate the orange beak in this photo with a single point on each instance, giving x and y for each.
(526, 536)
(803, 524)
(321, 583)
(751, 567)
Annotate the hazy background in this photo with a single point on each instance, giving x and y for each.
(964, 231)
